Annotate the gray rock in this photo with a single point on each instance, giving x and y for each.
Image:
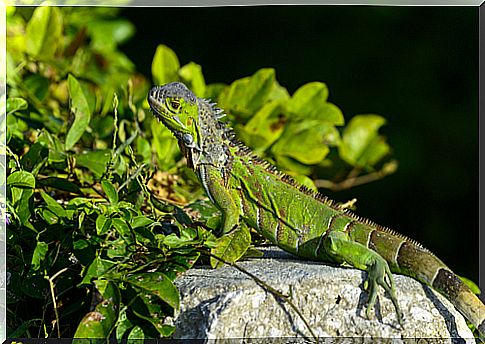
(225, 303)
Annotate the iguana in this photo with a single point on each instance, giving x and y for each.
(251, 192)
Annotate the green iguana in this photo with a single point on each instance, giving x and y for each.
(251, 192)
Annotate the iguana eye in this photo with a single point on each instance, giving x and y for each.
(172, 105)
(175, 104)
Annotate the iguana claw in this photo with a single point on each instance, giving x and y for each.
(380, 274)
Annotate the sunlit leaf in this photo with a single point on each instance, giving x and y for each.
(310, 103)
(103, 224)
(165, 65)
(165, 145)
(110, 191)
(231, 247)
(95, 161)
(244, 96)
(16, 104)
(307, 142)
(21, 179)
(39, 254)
(99, 322)
(141, 221)
(97, 269)
(136, 333)
(156, 284)
(43, 32)
(362, 146)
(191, 75)
(124, 324)
(52, 205)
(106, 35)
(265, 127)
(81, 111)
(121, 226)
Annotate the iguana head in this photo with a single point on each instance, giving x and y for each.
(176, 106)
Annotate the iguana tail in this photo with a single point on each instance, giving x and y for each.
(407, 257)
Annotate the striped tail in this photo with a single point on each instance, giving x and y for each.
(408, 257)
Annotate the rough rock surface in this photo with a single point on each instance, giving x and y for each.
(225, 303)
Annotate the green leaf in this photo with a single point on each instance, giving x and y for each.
(39, 87)
(103, 224)
(117, 248)
(140, 221)
(40, 252)
(232, 246)
(188, 236)
(191, 75)
(136, 333)
(179, 263)
(124, 324)
(265, 127)
(43, 32)
(106, 35)
(95, 161)
(244, 96)
(150, 308)
(60, 184)
(81, 111)
(57, 154)
(110, 191)
(99, 322)
(85, 251)
(304, 180)
(362, 146)
(306, 142)
(165, 65)
(35, 158)
(165, 145)
(97, 269)
(22, 200)
(143, 147)
(21, 179)
(310, 102)
(158, 284)
(52, 205)
(121, 226)
(16, 104)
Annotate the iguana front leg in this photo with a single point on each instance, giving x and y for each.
(339, 246)
(223, 197)
(235, 236)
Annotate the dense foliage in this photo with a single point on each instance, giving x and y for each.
(103, 213)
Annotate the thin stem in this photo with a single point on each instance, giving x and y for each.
(264, 285)
(354, 180)
(53, 296)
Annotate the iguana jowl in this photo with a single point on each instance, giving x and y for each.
(250, 191)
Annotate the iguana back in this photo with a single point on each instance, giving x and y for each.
(251, 192)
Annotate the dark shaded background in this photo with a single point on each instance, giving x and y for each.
(417, 66)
